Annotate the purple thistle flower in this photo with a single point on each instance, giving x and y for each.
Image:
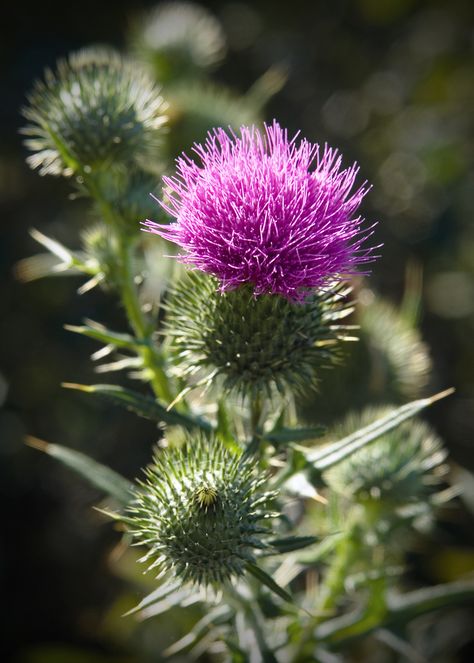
(253, 212)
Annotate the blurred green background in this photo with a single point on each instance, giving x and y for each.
(392, 85)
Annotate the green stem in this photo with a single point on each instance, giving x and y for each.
(253, 447)
(140, 326)
(129, 295)
(333, 587)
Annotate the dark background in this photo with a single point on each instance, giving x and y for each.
(391, 84)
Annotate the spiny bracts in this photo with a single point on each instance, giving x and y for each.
(98, 109)
(264, 344)
(401, 467)
(201, 512)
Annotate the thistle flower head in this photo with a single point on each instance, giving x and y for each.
(199, 512)
(254, 344)
(96, 109)
(401, 467)
(265, 210)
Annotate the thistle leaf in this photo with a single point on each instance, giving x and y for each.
(268, 581)
(399, 610)
(100, 333)
(322, 459)
(199, 631)
(56, 248)
(284, 435)
(144, 406)
(98, 475)
(156, 595)
(405, 607)
(291, 543)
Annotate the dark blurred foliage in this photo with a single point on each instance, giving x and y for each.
(391, 84)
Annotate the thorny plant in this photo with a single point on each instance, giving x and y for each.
(291, 537)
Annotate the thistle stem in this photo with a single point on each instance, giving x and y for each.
(333, 587)
(129, 296)
(139, 324)
(255, 421)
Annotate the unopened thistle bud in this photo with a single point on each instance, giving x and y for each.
(179, 38)
(200, 512)
(254, 344)
(401, 467)
(96, 110)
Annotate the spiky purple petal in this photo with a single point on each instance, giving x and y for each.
(254, 212)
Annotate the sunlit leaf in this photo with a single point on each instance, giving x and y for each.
(98, 475)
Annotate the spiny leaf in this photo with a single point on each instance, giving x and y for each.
(98, 332)
(291, 543)
(56, 248)
(200, 629)
(399, 610)
(144, 406)
(268, 581)
(322, 459)
(283, 435)
(98, 475)
(157, 595)
(406, 607)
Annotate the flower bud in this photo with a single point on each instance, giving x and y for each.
(199, 511)
(179, 39)
(96, 110)
(255, 344)
(401, 467)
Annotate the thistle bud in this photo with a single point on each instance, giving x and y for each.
(179, 39)
(96, 110)
(255, 344)
(401, 467)
(199, 511)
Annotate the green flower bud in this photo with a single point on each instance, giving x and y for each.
(401, 357)
(199, 511)
(96, 110)
(128, 191)
(255, 344)
(178, 39)
(401, 467)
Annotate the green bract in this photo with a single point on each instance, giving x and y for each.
(254, 343)
(400, 467)
(97, 109)
(199, 511)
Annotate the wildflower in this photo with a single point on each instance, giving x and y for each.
(253, 212)
(199, 511)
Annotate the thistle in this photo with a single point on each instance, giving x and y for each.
(254, 213)
(98, 109)
(402, 358)
(179, 38)
(401, 467)
(254, 344)
(199, 511)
